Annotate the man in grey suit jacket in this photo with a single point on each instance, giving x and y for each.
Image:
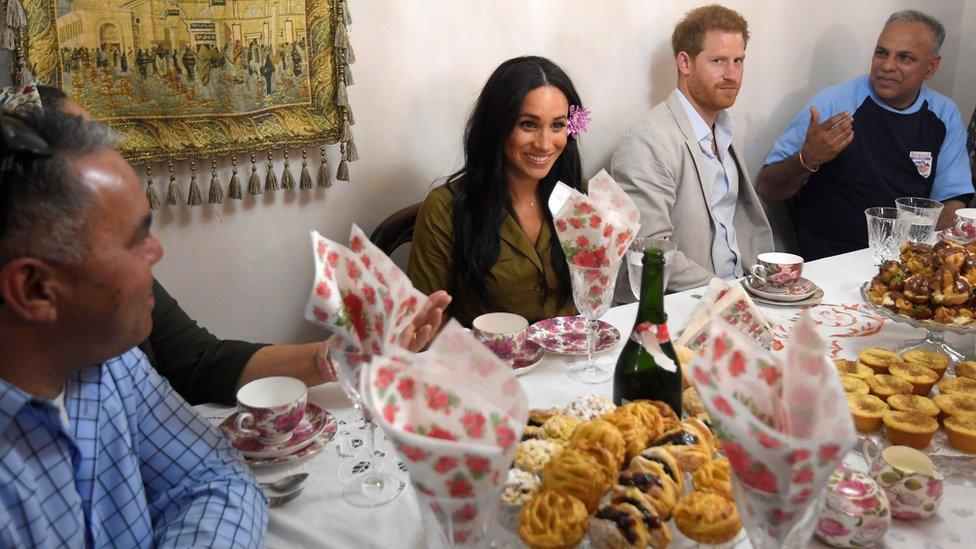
(679, 166)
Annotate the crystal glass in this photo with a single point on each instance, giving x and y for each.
(923, 214)
(886, 231)
(593, 294)
(635, 260)
(371, 487)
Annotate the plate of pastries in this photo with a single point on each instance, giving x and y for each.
(933, 285)
(914, 398)
(623, 476)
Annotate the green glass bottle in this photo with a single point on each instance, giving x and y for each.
(648, 367)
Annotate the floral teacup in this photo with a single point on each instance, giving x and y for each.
(855, 511)
(503, 333)
(776, 269)
(913, 484)
(270, 408)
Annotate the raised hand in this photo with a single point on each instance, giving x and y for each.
(826, 140)
(428, 321)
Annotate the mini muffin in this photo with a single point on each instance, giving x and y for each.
(851, 368)
(962, 433)
(962, 385)
(921, 378)
(955, 404)
(853, 385)
(967, 369)
(884, 385)
(867, 411)
(913, 429)
(707, 518)
(878, 359)
(930, 359)
(913, 403)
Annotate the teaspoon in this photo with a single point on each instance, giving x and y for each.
(285, 484)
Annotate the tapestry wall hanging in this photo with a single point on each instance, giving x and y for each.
(198, 79)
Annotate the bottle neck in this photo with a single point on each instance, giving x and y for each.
(651, 308)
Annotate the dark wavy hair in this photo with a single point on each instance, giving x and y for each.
(482, 198)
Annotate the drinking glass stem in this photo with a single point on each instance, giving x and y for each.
(372, 479)
(591, 326)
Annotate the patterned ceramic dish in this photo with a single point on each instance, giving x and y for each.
(566, 335)
(316, 423)
(798, 291)
(527, 358)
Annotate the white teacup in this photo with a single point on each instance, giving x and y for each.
(270, 408)
(777, 269)
(966, 222)
(503, 333)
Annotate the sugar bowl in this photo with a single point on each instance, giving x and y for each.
(855, 511)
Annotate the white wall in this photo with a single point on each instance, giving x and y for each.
(244, 269)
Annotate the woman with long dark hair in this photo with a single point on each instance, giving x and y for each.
(486, 236)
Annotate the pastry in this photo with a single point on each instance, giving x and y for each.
(520, 486)
(884, 385)
(635, 436)
(532, 455)
(691, 445)
(921, 378)
(656, 488)
(587, 407)
(851, 368)
(607, 461)
(868, 411)
(692, 404)
(913, 429)
(552, 519)
(669, 465)
(704, 433)
(538, 416)
(667, 414)
(707, 518)
(962, 433)
(576, 473)
(559, 428)
(649, 417)
(715, 476)
(853, 385)
(958, 385)
(605, 434)
(531, 431)
(930, 359)
(955, 404)
(685, 357)
(660, 534)
(913, 403)
(967, 369)
(878, 359)
(618, 526)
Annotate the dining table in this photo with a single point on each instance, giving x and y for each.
(320, 517)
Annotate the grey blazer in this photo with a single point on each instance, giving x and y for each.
(658, 162)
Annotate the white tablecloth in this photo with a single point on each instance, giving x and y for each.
(321, 518)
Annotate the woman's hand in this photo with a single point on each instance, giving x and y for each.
(426, 324)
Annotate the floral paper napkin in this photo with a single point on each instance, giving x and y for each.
(454, 414)
(359, 293)
(777, 419)
(732, 303)
(596, 228)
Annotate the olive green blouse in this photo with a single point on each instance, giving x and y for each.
(522, 281)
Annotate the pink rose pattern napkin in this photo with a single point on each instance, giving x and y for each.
(455, 414)
(596, 228)
(360, 294)
(732, 303)
(783, 424)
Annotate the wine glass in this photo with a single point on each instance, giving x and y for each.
(635, 259)
(593, 294)
(372, 487)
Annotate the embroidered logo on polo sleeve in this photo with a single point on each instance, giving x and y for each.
(923, 162)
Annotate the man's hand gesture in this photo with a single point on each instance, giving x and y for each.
(825, 141)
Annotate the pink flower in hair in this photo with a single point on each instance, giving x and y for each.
(579, 119)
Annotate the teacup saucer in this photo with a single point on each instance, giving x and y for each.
(953, 234)
(528, 357)
(566, 335)
(798, 291)
(308, 430)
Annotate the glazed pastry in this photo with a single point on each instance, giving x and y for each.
(930, 359)
(913, 429)
(605, 434)
(921, 378)
(955, 404)
(635, 436)
(884, 385)
(576, 473)
(551, 519)
(660, 534)
(657, 490)
(669, 465)
(950, 254)
(853, 385)
(667, 414)
(962, 433)
(707, 518)
(967, 369)
(685, 357)
(619, 526)
(878, 359)
(692, 404)
(868, 411)
(913, 403)
(854, 369)
(538, 416)
(520, 486)
(715, 477)
(948, 288)
(649, 417)
(532, 431)
(587, 407)
(606, 460)
(958, 385)
(918, 288)
(559, 428)
(533, 455)
(703, 432)
(691, 445)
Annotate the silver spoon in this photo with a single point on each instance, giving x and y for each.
(285, 484)
(278, 501)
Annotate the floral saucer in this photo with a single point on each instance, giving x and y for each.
(566, 335)
(315, 423)
(953, 234)
(527, 358)
(798, 291)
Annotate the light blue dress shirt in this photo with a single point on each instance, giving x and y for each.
(721, 181)
(135, 466)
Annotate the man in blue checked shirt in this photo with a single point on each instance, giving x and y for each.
(869, 141)
(97, 450)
